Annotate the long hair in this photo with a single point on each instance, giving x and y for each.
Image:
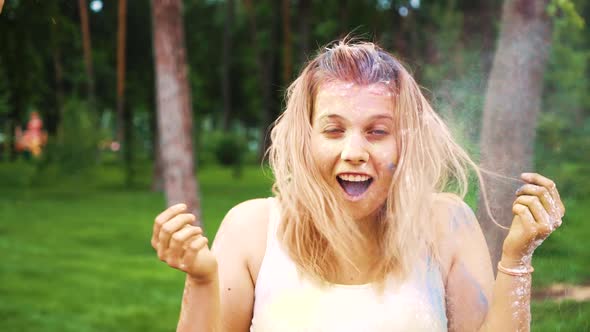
(314, 231)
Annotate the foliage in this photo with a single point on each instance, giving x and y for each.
(561, 153)
(447, 29)
(229, 149)
(567, 9)
(5, 110)
(76, 147)
(442, 46)
(4, 96)
(564, 126)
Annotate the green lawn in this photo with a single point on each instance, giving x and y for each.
(76, 256)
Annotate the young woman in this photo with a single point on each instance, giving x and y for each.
(360, 234)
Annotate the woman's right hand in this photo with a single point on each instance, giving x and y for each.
(538, 211)
(182, 245)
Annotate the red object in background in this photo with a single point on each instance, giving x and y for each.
(33, 138)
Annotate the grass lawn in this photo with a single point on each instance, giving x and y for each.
(76, 256)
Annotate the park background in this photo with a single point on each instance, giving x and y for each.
(75, 221)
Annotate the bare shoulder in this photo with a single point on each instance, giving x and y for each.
(247, 216)
(451, 213)
(454, 221)
(243, 232)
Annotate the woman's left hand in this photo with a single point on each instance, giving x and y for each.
(537, 213)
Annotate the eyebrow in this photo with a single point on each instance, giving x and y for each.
(339, 117)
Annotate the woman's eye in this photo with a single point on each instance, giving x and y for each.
(378, 132)
(333, 131)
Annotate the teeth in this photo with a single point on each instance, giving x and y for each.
(354, 178)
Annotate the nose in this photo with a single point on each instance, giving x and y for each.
(355, 150)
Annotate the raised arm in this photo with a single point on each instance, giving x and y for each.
(537, 213)
(474, 301)
(219, 290)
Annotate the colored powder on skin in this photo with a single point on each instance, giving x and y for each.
(391, 167)
(472, 283)
(460, 218)
(379, 89)
(521, 305)
(554, 211)
(434, 291)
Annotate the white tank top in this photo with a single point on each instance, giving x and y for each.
(285, 301)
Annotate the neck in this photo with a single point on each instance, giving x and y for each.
(362, 262)
(368, 225)
(357, 270)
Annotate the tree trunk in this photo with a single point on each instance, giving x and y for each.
(512, 103)
(121, 34)
(287, 43)
(124, 115)
(265, 60)
(157, 172)
(304, 30)
(86, 42)
(9, 142)
(59, 80)
(174, 105)
(226, 68)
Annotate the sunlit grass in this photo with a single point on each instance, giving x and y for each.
(76, 255)
(564, 256)
(549, 316)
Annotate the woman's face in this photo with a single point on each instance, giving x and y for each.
(353, 144)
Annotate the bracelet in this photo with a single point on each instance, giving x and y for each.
(518, 272)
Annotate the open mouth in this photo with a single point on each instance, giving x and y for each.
(354, 185)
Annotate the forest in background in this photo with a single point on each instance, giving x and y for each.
(242, 55)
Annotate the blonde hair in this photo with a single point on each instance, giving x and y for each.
(314, 231)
